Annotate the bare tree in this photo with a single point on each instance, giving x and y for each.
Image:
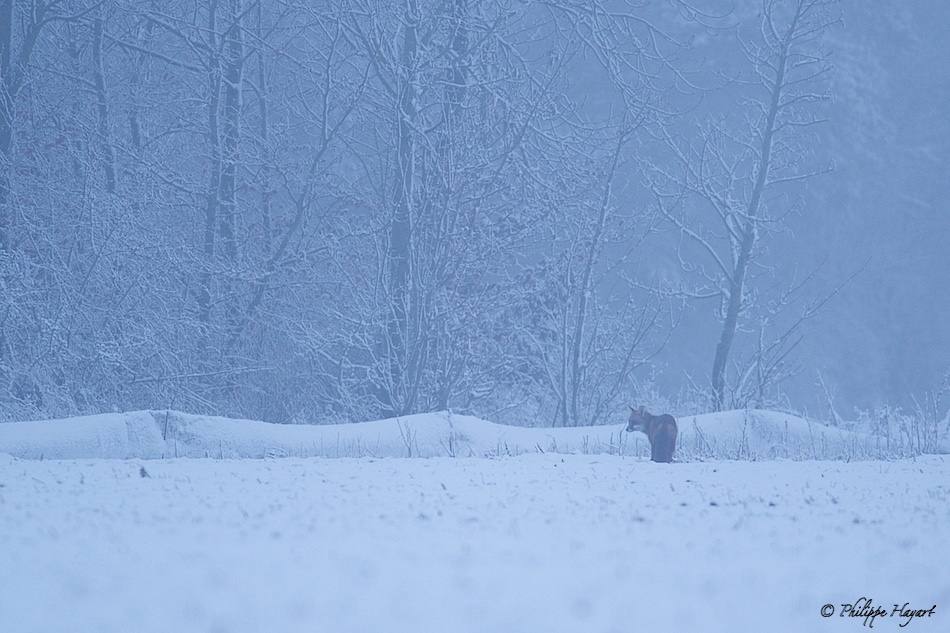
(42, 144)
(728, 185)
(451, 133)
(591, 326)
(596, 320)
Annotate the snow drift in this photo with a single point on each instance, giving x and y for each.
(167, 434)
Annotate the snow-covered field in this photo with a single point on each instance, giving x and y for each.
(523, 542)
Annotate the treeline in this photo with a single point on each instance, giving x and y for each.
(323, 211)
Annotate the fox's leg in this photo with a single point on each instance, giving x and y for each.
(662, 449)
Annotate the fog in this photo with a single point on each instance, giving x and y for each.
(536, 213)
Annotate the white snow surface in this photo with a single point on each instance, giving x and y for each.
(164, 434)
(588, 535)
(535, 542)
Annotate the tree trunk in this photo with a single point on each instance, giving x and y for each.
(399, 395)
(749, 237)
(105, 136)
(578, 362)
(7, 93)
(233, 76)
(263, 105)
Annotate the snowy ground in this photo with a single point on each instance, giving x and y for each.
(442, 522)
(534, 542)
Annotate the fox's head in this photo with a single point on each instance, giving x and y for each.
(638, 419)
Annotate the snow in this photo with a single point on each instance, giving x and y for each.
(520, 540)
(163, 434)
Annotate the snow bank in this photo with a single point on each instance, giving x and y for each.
(752, 434)
(109, 436)
(168, 434)
(757, 434)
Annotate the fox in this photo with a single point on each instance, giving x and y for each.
(661, 429)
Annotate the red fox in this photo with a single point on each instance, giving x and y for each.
(661, 429)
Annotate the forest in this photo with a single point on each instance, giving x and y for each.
(534, 212)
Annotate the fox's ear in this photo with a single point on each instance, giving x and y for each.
(631, 408)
